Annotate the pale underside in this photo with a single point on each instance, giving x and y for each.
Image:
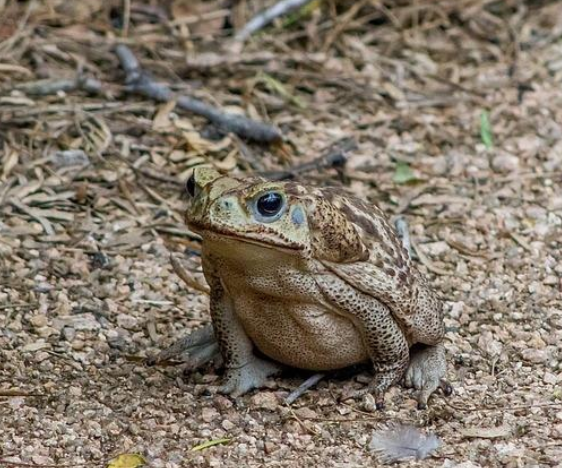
(300, 329)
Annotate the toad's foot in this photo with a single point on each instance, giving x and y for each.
(383, 380)
(252, 375)
(426, 371)
(194, 350)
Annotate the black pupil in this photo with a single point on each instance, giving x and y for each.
(190, 185)
(270, 204)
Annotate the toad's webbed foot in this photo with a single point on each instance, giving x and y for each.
(251, 375)
(426, 372)
(194, 350)
(385, 377)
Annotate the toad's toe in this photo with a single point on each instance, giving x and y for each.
(253, 374)
(195, 350)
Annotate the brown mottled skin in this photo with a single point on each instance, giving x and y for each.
(322, 284)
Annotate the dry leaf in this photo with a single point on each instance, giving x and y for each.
(78, 12)
(127, 460)
(228, 163)
(10, 160)
(16, 69)
(199, 144)
(486, 432)
(429, 199)
(157, 159)
(161, 119)
(8, 18)
(198, 8)
(35, 346)
(96, 133)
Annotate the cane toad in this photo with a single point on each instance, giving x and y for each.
(310, 278)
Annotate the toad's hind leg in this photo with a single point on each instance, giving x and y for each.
(384, 340)
(387, 347)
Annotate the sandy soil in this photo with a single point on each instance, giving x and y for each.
(456, 108)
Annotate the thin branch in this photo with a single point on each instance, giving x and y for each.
(265, 17)
(46, 87)
(334, 158)
(303, 387)
(401, 225)
(19, 393)
(141, 83)
(126, 17)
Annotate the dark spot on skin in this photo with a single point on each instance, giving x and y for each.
(292, 188)
(363, 221)
(335, 237)
(403, 277)
(390, 272)
(389, 249)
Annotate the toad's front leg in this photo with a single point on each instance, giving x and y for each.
(244, 370)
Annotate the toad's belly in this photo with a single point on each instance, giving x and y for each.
(303, 335)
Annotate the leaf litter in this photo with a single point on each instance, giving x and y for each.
(91, 210)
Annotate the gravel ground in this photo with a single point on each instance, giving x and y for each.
(456, 108)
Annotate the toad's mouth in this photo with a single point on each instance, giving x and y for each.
(279, 245)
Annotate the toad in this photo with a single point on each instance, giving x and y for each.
(309, 278)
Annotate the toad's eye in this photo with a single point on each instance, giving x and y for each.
(190, 185)
(270, 204)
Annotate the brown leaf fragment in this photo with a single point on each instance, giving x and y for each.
(129, 240)
(187, 278)
(9, 161)
(465, 250)
(78, 12)
(429, 199)
(499, 432)
(198, 9)
(35, 215)
(431, 266)
(161, 120)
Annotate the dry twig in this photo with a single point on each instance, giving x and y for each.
(303, 387)
(334, 158)
(267, 16)
(46, 87)
(138, 81)
(403, 231)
